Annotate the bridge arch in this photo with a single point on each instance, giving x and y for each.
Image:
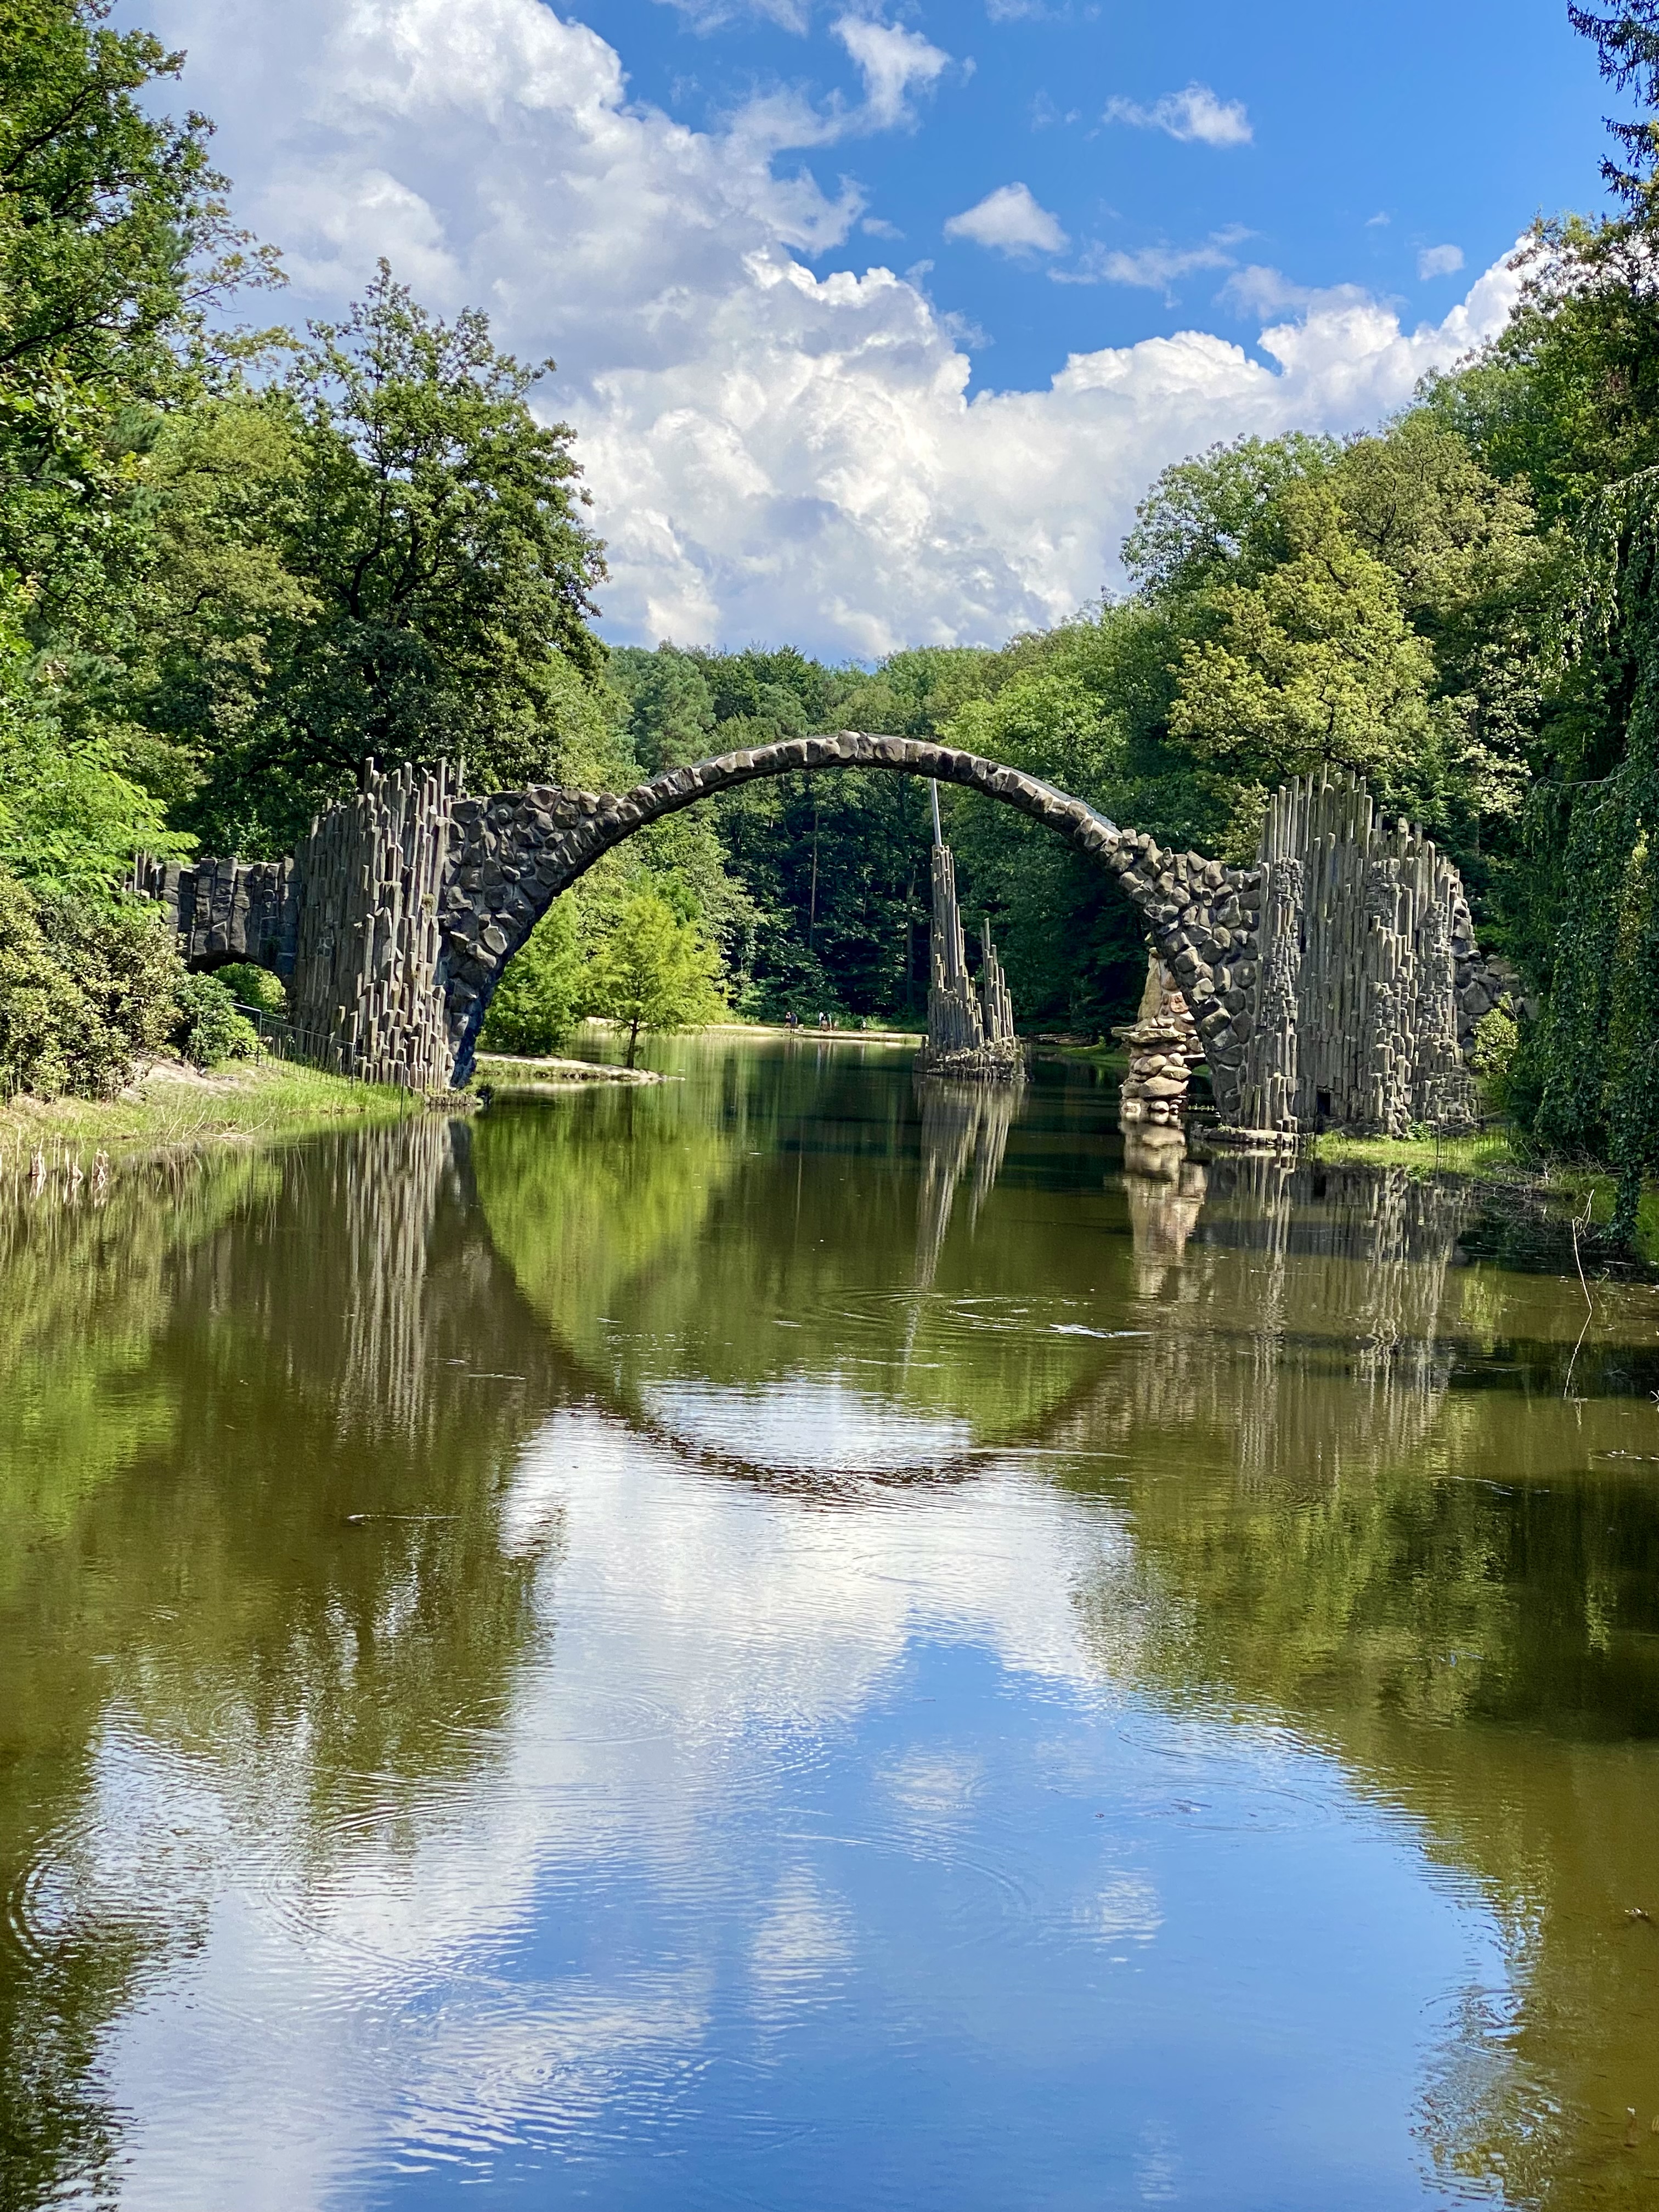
(512, 854)
(1337, 979)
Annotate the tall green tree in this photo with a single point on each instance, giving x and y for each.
(1566, 403)
(115, 238)
(429, 530)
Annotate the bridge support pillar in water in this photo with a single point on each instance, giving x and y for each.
(1163, 1048)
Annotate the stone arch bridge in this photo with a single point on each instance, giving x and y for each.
(1335, 980)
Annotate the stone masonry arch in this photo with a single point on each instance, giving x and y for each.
(1337, 978)
(513, 853)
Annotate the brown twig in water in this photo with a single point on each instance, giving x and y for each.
(1566, 1388)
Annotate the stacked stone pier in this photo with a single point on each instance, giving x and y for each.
(1163, 1049)
(1334, 980)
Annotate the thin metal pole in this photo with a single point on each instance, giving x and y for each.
(812, 912)
(938, 835)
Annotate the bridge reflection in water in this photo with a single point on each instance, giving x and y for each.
(1306, 1472)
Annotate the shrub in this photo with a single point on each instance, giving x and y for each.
(83, 990)
(125, 964)
(206, 1028)
(1496, 1037)
(255, 987)
(39, 1004)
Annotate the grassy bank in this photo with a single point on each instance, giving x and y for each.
(1111, 1057)
(545, 1071)
(1491, 1152)
(174, 1105)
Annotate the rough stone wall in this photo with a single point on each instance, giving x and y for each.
(1356, 1017)
(227, 910)
(366, 996)
(996, 1000)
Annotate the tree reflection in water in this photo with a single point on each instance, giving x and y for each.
(255, 1468)
(248, 1386)
(1393, 1531)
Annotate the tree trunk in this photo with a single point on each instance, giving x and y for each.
(633, 1040)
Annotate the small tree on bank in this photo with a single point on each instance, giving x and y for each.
(656, 971)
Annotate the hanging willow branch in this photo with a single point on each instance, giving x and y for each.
(1598, 1052)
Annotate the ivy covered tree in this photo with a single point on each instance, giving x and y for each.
(1564, 405)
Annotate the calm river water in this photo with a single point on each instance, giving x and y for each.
(763, 1643)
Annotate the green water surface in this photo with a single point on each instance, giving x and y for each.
(784, 1640)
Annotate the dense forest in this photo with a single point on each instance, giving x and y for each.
(236, 559)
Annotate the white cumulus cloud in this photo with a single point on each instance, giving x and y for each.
(773, 453)
(891, 61)
(1440, 261)
(1195, 113)
(1010, 220)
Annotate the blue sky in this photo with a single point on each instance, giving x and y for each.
(1376, 134)
(875, 319)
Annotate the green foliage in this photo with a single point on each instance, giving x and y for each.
(36, 1003)
(1312, 664)
(114, 238)
(71, 817)
(206, 1028)
(123, 963)
(1628, 44)
(254, 987)
(1565, 406)
(1377, 603)
(1071, 946)
(656, 971)
(1199, 517)
(83, 992)
(416, 583)
(539, 999)
(1599, 1047)
(113, 226)
(1496, 1039)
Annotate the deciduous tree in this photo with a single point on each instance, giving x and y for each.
(656, 971)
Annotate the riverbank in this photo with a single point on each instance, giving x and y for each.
(845, 1035)
(1489, 1152)
(172, 1104)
